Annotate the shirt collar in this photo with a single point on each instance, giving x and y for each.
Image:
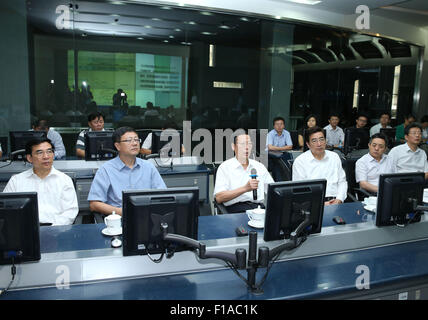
(408, 148)
(53, 172)
(373, 159)
(236, 164)
(312, 158)
(119, 164)
(276, 133)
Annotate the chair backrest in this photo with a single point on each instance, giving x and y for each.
(295, 139)
(3, 141)
(72, 175)
(348, 166)
(286, 173)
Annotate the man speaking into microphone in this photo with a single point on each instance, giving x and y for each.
(240, 181)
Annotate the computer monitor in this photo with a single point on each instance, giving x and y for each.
(99, 145)
(398, 195)
(356, 139)
(390, 135)
(175, 137)
(19, 227)
(18, 140)
(145, 210)
(286, 206)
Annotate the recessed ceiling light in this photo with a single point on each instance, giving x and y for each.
(310, 2)
(277, 17)
(166, 8)
(178, 30)
(117, 2)
(166, 41)
(207, 33)
(223, 26)
(156, 19)
(206, 13)
(171, 37)
(140, 38)
(190, 22)
(244, 19)
(148, 27)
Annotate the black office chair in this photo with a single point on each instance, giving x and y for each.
(285, 169)
(219, 208)
(355, 192)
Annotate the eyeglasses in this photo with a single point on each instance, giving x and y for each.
(40, 153)
(244, 144)
(415, 133)
(129, 141)
(320, 140)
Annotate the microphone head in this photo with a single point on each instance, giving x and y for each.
(253, 172)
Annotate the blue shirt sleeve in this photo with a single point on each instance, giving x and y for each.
(99, 186)
(288, 140)
(157, 181)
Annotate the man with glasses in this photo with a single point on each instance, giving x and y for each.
(125, 172)
(237, 177)
(370, 166)
(319, 163)
(409, 157)
(56, 196)
(95, 123)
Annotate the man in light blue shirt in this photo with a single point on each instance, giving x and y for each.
(278, 142)
(125, 172)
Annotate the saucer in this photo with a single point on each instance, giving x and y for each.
(257, 225)
(112, 232)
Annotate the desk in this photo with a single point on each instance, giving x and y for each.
(185, 172)
(323, 267)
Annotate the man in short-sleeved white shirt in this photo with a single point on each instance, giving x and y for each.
(234, 185)
(318, 163)
(56, 195)
(370, 166)
(383, 123)
(409, 157)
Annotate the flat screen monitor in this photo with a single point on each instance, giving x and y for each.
(285, 206)
(99, 145)
(19, 227)
(18, 140)
(174, 139)
(397, 195)
(390, 136)
(145, 210)
(356, 139)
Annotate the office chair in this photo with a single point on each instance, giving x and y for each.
(355, 192)
(219, 208)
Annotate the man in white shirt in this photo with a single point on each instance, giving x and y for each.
(384, 120)
(409, 157)
(95, 123)
(334, 134)
(56, 196)
(234, 185)
(370, 166)
(319, 163)
(53, 136)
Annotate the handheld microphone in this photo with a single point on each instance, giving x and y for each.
(254, 176)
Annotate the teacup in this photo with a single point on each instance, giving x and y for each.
(113, 221)
(258, 215)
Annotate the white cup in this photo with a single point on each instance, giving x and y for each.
(258, 215)
(113, 221)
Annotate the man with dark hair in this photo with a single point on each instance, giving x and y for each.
(95, 123)
(125, 172)
(361, 120)
(334, 134)
(384, 120)
(278, 142)
(234, 185)
(319, 163)
(409, 157)
(56, 196)
(399, 132)
(53, 136)
(370, 166)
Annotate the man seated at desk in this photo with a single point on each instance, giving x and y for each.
(125, 172)
(146, 148)
(95, 123)
(319, 163)
(334, 134)
(53, 136)
(278, 141)
(370, 166)
(234, 185)
(56, 196)
(409, 157)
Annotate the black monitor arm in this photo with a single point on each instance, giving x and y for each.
(238, 259)
(295, 239)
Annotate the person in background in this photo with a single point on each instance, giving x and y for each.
(399, 133)
(95, 123)
(319, 163)
(310, 122)
(146, 148)
(56, 196)
(53, 136)
(384, 120)
(361, 121)
(370, 166)
(334, 134)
